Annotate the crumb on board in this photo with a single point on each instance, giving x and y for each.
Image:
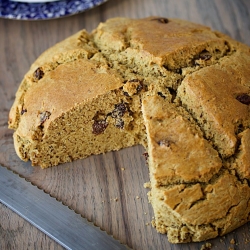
(137, 197)
(222, 241)
(147, 185)
(246, 238)
(122, 169)
(232, 241)
(206, 246)
(114, 199)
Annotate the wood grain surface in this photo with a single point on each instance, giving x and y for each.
(106, 189)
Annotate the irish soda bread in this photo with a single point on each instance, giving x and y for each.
(178, 88)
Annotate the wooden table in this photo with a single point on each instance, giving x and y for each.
(106, 189)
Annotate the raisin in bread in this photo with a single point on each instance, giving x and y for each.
(178, 88)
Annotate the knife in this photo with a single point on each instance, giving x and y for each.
(50, 216)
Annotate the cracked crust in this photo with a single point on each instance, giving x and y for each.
(178, 88)
(194, 195)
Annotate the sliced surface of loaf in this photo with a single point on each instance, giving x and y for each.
(178, 88)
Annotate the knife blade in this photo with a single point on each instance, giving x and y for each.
(62, 224)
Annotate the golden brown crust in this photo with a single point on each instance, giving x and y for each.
(168, 42)
(213, 95)
(68, 85)
(178, 152)
(70, 49)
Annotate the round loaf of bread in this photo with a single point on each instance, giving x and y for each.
(178, 88)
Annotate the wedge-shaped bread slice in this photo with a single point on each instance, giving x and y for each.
(194, 196)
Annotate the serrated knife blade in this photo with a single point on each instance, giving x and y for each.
(50, 216)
